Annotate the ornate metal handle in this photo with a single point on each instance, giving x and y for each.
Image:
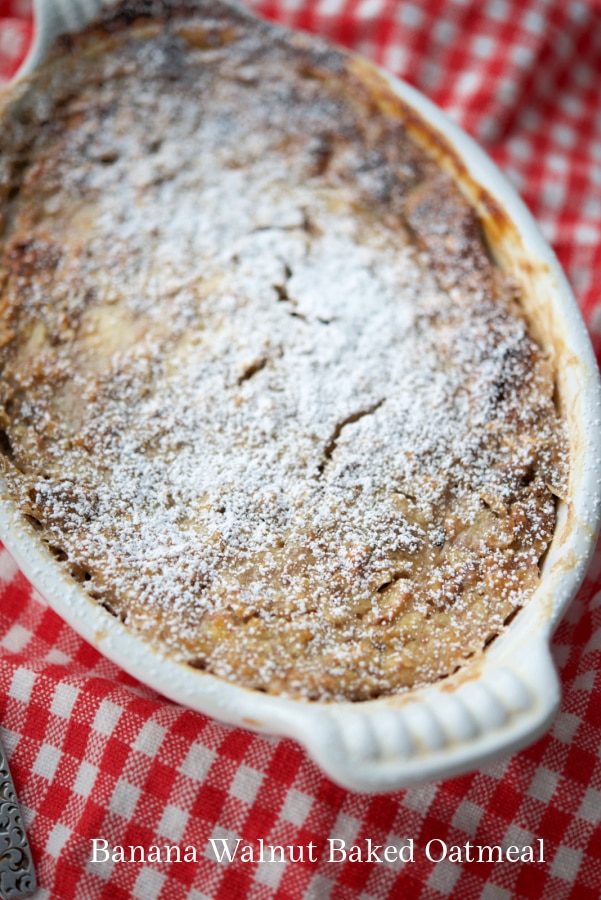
(17, 876)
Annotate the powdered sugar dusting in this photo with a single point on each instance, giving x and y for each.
(258, 428)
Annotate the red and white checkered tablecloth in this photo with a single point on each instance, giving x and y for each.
(96, 755)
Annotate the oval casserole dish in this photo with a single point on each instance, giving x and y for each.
(508, 696)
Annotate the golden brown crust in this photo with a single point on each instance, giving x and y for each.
(263, 392)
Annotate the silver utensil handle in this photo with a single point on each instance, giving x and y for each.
(17, 875)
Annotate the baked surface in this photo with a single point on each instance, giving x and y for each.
(263, 391)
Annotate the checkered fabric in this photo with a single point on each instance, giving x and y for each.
(94, 754)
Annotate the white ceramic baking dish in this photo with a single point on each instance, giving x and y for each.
(498, 703)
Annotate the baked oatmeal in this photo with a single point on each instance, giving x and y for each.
(264, 391)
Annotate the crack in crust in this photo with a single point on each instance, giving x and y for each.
(348, 420)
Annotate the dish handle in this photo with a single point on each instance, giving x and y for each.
(442, 730)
